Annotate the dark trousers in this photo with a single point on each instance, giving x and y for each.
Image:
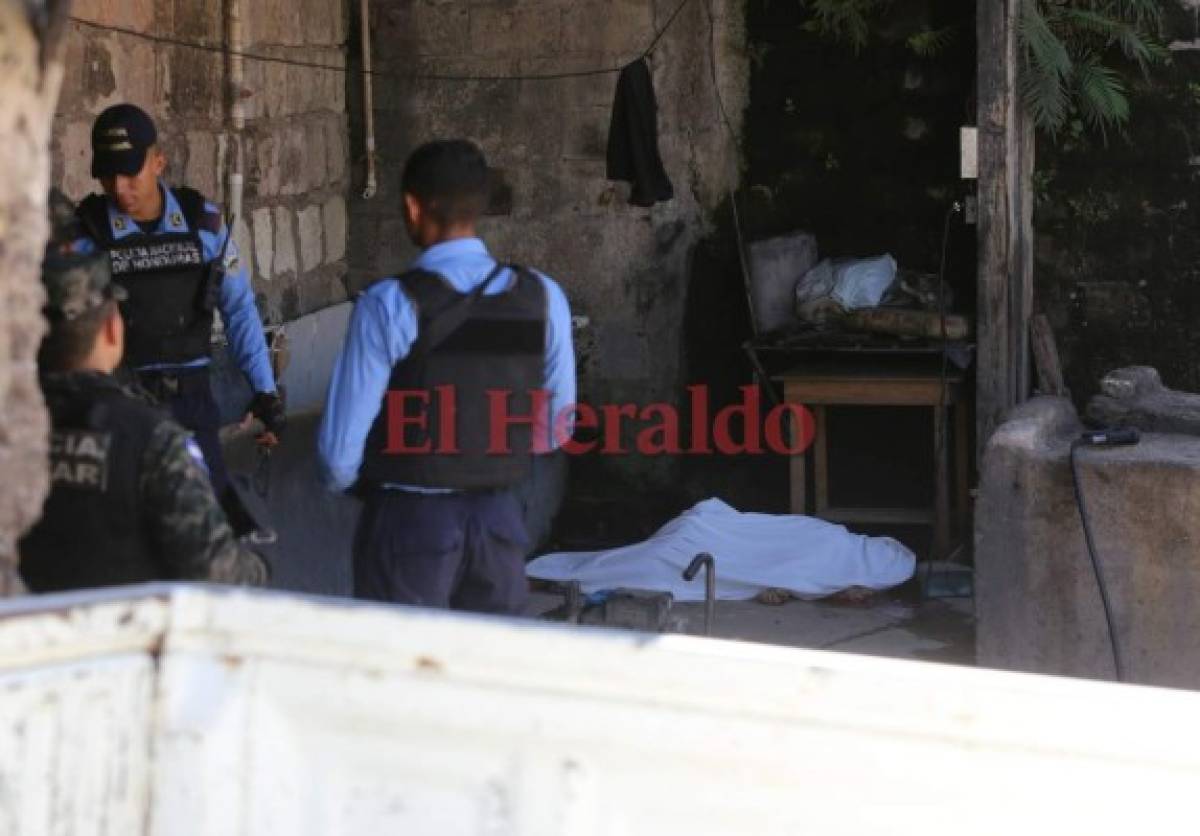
(188, 395)
(462, 551)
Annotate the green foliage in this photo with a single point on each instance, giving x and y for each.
(845, 20)
(929, 43)
(1068, 47)
(1068, 50)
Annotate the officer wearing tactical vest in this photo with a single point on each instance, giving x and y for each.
(443, 528)
(130, 501)
(173, 254)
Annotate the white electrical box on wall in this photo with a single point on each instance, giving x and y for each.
(970, 153)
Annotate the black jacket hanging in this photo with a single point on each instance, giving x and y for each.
(633, 138)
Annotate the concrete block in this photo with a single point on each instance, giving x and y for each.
(311, 231)
(130, 14)
(285, 241)
(293, 162)
(333, 95)
(336, 160)
(243, 240)
(325, 22)
(198, 21)
(315, 151)
(73, 100)
(264, 242)
(304, 85)
(1037, 599)
(277, 22)
(195, 87)
(334, 216)
(201, 172)
(264, 152)
(116, 72)
(274, 91)
(75, 151)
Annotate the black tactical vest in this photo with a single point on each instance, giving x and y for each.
(169, 313)
(499, 347)
(92, 531)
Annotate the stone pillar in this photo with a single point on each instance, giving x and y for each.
(29, 88)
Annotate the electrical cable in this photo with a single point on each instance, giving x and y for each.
(1118, 662)
(736, 168)
(313, 65)
(939, 441)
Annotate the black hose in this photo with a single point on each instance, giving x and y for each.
(1091, 547)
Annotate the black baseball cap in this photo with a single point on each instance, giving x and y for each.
(120, 138)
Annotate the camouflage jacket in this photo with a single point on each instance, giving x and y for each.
(182, 525)
(186, 521)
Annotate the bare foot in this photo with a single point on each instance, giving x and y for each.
(773, 597)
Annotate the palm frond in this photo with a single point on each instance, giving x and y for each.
(1066, 47)
(931, 42)
(1046, 54)
(1102, 99)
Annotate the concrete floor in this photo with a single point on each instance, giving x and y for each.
(892, 625)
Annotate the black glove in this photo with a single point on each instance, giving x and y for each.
(268, 408)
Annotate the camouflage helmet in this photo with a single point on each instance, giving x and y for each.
(75, 283)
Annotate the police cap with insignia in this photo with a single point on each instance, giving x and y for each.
(75, 283)
(120, 139)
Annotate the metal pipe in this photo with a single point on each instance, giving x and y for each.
(710, 585)
(237, 107)
(368, 100)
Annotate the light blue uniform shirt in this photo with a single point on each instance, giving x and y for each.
(236, 302)
(383, 329)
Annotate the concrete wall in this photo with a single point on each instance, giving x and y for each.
(293, 231)
(626, 269)
(1037, 601)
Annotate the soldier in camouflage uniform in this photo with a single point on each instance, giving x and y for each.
(130, 500)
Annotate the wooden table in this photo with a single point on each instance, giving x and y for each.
(884, 382)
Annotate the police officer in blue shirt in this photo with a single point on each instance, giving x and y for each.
(175, 258)
(411, 404)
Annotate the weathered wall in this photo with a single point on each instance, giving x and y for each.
(624, 268)
(28, 89)
(1118, 230)
(1037, 601)
(293, 231)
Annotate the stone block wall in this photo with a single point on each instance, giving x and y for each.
(293, 232)
(624, 268)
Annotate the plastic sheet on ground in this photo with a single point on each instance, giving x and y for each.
(809, 557)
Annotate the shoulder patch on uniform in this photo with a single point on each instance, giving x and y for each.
(196, 454)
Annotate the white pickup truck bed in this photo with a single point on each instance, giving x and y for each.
(192, 710)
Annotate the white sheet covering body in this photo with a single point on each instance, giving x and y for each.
(809, 557)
